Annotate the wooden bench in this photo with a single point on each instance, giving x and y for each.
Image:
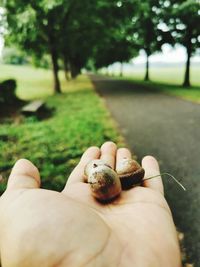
(33, 107)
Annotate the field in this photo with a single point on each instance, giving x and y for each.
(55, 145)
(32, 83)
(166, 74)
(169, 80)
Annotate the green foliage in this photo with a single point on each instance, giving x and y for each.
(75, 31)
(55, 145)
(183, 19)
(94, 34)
(115, 44)
(14, 56)
(144, 27)
(34, 26)
(43, 62)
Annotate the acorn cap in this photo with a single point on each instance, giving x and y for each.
(130, 172)
(130, 179)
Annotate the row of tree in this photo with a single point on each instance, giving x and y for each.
(93, 34)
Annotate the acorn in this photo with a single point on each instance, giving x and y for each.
(130, 172)
(93, 164)
(104, 181)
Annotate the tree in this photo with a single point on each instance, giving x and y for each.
(183, 19)
(113, 51)
(144, 30)
(94, 31)
(68, 29)
(2, 21)
(34, 26)
(79, 34)
(114, 44)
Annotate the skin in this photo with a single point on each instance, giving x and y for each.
(70, 228)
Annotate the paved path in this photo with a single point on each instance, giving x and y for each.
(169, 129)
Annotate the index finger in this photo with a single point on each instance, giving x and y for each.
(77, 174)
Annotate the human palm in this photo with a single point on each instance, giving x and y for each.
(47, 228)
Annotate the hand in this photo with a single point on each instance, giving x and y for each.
(43, 228)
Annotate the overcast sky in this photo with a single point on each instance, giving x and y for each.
(169, 54)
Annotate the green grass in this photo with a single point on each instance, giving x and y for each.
(191, 94)
(169, 80)
(55, 145)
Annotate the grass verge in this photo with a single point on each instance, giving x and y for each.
(187, 93)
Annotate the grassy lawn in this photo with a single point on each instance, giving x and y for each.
(190, 93)
(32, 83)
(55, 145)
(166, 74)
(174, 75)
(169, 80)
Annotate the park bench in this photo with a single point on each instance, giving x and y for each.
(33, 107)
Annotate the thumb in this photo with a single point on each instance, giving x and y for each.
(151, 168)
(24, 175)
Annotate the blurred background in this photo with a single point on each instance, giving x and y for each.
(78, 73)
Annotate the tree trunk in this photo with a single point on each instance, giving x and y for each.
(67, 75)
(74, 70)
(186, 82)
(67, 71)
(121, 69)
(146, 78)
(54, 59)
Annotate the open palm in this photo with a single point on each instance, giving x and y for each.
(70, 228)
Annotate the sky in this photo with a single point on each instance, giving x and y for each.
(169, 54)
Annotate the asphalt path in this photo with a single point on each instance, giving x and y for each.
(169, 129)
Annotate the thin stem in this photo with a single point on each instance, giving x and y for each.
(165, 173)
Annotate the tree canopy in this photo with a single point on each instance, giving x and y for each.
(80, 34)
(182, 17)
